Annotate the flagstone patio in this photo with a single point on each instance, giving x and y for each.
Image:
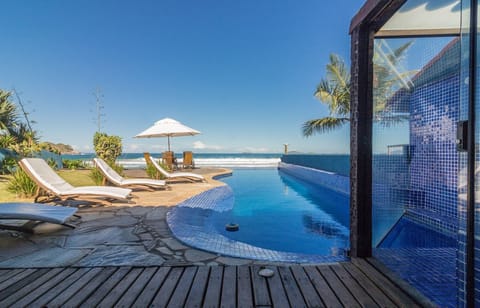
(117, 235)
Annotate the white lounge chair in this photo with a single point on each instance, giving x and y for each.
(116, 179)
(34, 213)
(175, 175)
(52, 186)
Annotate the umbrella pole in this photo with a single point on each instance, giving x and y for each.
(168, 137)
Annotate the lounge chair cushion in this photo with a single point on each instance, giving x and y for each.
(118, 180)
(173, 175)
(47, 178)
(37, 212)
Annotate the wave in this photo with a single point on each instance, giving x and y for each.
(211, 162)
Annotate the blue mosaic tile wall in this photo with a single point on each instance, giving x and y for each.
(434, 162)
(336, 163)
(390, 192)
(423, 181)
(323, 178)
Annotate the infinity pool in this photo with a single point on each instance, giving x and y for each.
(279, 217)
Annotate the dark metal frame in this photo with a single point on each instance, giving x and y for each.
(368, 21)
(363, 27)
(470, 228)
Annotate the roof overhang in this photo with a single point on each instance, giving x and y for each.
(414, 18)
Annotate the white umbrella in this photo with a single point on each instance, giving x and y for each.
(167, 128)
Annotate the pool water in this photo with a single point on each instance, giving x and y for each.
(274, 211)
(279, 212)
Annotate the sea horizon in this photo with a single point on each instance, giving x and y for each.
(230, 160)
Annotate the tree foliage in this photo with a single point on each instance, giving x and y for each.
(334, 91)
(8, 113)
(107, 147)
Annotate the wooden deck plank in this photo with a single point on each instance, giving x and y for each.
(95, 298)
(380, 298)
(129, 297)
(261, 295)
(75, 287)
(306, 287)
(21, 292)
(151, 288)
(22, 283)
(163, 296)
(277, 291)
(228, 298)
(382, 282)
(214, 287)
(114, 295)
(291, 288)
(244, 283)
(10, 273)
(337, 286)
(357, 291)
(88, 289)
(342, 284)
(16, 278)
(180, 294)
(195, 297)
(34, 293)
(326, 294)
(59, 287)
(408, 289)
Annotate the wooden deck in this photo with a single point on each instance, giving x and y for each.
(349, 284)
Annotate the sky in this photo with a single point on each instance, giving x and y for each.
(241, 72)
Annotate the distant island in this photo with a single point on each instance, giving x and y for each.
(58, 148)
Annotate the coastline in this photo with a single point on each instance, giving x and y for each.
(222, 160)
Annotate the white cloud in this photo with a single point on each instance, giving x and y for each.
(254, 150)
(198, 145)
(158, 147)
(132, 147)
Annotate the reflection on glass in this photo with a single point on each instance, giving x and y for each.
(415, 161)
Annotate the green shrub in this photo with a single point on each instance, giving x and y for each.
(8, 165)
(21, 184)
(52, 163)
(153, 173)
(73, 164)
(107, 147)
(96, 176)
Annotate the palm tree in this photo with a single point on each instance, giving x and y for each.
(8, 113)
(334, 90)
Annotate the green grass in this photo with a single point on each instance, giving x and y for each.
(74, 177)
(77, 177)
(5, 195)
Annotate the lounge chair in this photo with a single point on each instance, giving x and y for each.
(188, 160)
(34, 213)
(175, 175)
(53, 187)
(113, 177)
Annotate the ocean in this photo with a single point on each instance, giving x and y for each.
(227, 160)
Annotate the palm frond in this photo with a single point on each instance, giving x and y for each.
(322, 125)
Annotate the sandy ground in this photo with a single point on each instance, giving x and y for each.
(177, 191)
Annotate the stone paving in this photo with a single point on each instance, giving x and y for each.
(117, 235)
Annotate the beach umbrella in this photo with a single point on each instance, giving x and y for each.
(167, 128)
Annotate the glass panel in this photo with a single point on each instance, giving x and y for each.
(477, 167)
(463, 162)
(415, 161)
